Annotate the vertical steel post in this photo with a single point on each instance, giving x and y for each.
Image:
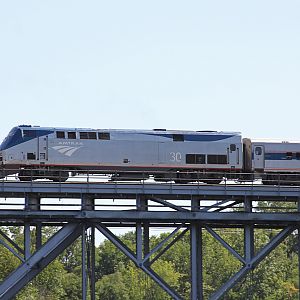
(196, 255)
(32, 203)
(146, 231)
(93, 262)
(139, 230)
(248, 234)
(88, 203)
(248, 238)
(83, 263)
(139, 243)
(27, 241)
(38, 239)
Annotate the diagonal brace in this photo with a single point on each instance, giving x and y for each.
(168, 204)
(162, 243)
(250, 265)
(11, 242)
(225, 245)
(15, 253)
(177, 238)
(39, 260)
(117, 242)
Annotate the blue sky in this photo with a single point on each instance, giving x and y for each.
(218, 65)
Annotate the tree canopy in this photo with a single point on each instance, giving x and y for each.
(118, 278)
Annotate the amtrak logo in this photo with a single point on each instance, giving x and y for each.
(66, 150)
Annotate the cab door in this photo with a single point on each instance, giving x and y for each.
(258, 157)
(233, 153)
(43, 148)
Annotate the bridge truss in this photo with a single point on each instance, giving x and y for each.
(180, 207)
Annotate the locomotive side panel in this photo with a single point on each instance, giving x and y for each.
(62, 148)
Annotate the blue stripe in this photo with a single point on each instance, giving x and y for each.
(195, 137)
(280, 156)
(15, 137)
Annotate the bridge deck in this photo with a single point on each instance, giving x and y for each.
(130, 190)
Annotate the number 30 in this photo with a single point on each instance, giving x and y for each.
(175, 156)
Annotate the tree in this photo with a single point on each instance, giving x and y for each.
(128, 282)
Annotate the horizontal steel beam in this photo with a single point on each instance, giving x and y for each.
(152, 216)
(130, 190)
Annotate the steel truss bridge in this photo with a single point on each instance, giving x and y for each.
(180, 207)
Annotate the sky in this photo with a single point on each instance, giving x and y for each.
(197, 65)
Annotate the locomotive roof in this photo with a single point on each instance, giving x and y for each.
(158, 131)
(275, 141)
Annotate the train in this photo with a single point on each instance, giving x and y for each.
(55, 153)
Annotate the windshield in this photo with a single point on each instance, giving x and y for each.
(14, 137)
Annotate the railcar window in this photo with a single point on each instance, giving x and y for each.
(178, 137)
(217, 159)
(258, 151)
(103, 135)
(195, 158)
(289, 155)
(88, 135)
(298, 155)
(60, 134)
(29, 133)
(71, 135)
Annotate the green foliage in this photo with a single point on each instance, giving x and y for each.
(130, 283)
(112, 287)
(276, 277)
(72, 286)
(48, 285)
(8, 262)
(109, 257)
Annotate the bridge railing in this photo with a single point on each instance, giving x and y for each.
(121, 175)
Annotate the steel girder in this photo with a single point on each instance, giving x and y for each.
(195, 219)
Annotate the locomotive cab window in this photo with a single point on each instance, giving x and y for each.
(289, 155)
(178, 137)
(29, 133)
(88, 135)
(71, 135)
(60, 134)
(103, 135)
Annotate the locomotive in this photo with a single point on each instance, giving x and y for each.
(55, 153)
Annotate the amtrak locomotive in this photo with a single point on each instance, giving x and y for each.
(52, 153)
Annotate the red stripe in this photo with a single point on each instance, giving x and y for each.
(137, 166)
